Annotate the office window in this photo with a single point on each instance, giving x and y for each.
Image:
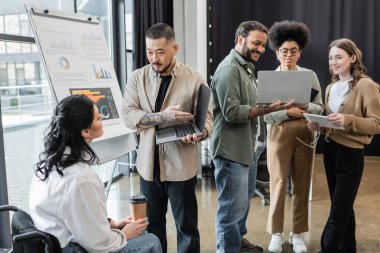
(2, 47)
(13, 18)
(2, 25)
(26, 99)
(26, 103)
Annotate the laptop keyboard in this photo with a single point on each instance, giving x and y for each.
(184, 130)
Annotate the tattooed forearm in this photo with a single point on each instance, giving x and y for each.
(152, 119)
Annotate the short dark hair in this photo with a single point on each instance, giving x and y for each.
(159, 31)
(288, 31)
(247, 26)
(71, 115)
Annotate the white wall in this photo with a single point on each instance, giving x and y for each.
(190, 26)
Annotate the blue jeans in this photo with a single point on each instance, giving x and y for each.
(252, 184)
(253, 169)
(232, 182)
(145, 243)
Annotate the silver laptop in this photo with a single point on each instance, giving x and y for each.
(284, 86)
(177, 132)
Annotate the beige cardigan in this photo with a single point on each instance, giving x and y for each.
(362, 115)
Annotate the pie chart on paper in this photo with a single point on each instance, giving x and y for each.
(64, 63)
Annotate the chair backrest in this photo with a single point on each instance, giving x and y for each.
(28, 239)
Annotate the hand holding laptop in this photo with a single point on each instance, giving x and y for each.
(194, 138)
(187, 132)
(295, 112)
(278, 106)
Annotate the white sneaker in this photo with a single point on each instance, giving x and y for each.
(275, 245)
(297, 242)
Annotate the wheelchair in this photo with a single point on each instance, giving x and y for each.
(26, 238)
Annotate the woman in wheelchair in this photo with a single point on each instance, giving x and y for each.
(67, 197)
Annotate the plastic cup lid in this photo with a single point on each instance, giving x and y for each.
(137, 199)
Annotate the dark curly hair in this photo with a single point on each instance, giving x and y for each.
(71, 116)
(288, 31)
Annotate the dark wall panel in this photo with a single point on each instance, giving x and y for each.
(327, 20)
(145, 14)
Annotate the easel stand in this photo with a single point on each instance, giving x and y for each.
(115, 168)
(112, 178)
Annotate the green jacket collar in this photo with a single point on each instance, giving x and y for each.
(246, 64)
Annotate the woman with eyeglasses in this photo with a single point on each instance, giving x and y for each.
(288, 148)
(353, 102)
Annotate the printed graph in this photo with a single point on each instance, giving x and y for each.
(103, 99)
(64, 62)
(101, 73)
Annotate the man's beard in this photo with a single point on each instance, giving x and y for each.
(246, 52)
(165, 68)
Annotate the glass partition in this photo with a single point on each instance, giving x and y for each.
(13, 17)
(26, 98)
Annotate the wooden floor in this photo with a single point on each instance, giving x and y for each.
(367, 208)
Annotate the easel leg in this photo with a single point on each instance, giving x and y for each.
(111, 178)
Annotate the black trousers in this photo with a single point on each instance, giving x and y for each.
(185, 211)
(344, 170)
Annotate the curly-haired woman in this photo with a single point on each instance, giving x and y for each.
(67, 196)
(287, 142)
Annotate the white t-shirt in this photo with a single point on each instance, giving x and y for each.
(338, 93)
(72, 207)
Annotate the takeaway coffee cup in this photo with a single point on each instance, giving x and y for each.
(138, 207)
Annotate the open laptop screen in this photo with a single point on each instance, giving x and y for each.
(284, 86)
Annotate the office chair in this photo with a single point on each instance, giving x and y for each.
(27, 238)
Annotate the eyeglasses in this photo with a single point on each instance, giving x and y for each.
(313, 144)
(285, 51)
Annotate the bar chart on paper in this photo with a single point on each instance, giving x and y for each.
(101, 73)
